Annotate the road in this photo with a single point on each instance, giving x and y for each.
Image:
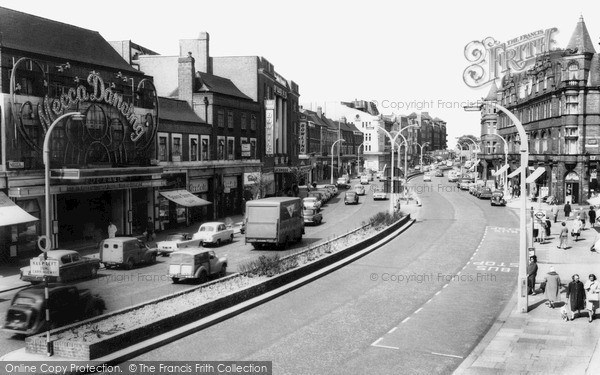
(419, 304)
(125, 288)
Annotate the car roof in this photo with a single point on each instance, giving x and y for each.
(55, 254)
(37, 290)
(213, 223)
(191, 251)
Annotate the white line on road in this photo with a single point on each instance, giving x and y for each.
(393, 329)
(428, 301)
(459, 272)
(439, 291)
(447, 355)
(376, 341)
(385, 346)
(405, 320)
(445, 286)
(420, 308)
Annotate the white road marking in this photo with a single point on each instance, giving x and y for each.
(447, 355)
(405, 320)
(428, 301)
(445, 286)
(393, 329)
(376, 341)
(385, 346)
(459, 272)
(420, 308)
(438, 292)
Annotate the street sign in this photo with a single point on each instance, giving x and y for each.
(41, 267)
(540, 215)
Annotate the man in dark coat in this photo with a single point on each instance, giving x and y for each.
(531, 274)
(592, 215)
(576, 296)
(567, 210)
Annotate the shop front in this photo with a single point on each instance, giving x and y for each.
(232, 195)
(19, 228)
(199, 187)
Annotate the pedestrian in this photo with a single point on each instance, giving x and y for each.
(592, 216)
(554, 211)
(563, 236)
(551, 287)
(541, 224)
(531, 274)
(576, 229)
(112, 230)
(567, 210)
(576, 296)
(149, 229)
(536, 230)
(548, 226)
(592, 292)
(582, 216)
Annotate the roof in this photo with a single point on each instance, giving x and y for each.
(73, 44)
(56, 254)
(177, 110)
(211, 83)
(580, 39)
(314, 117)
(594, 76)
(493, 93)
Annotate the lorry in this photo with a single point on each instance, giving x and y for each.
(275, 221)
(195, 263)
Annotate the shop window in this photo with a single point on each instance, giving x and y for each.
(163, 147)
(26, 235)
(205, 148)
(193, 147)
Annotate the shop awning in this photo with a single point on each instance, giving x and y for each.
(535, 175)
(501, 170)
(514, 173)
(184, 198)
(11, 214)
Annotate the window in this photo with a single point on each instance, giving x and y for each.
(230, 119)
(205, 148)
(253, 148)
(571, 135)
(230, 148)
(253, 122)
(243, 121)
(571, 105)
(221, 148)
(573, 71)
(163, 147)
(220, 118)
(193, 147)
(176, 147)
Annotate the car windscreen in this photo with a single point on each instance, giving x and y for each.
(24, 301)
(177, 258)
(207, 228)
(175, 237)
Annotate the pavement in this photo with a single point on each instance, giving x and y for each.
(540, 342)
(9, 273)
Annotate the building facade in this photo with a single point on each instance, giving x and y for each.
(558, 102)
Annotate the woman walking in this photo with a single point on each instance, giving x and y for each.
(576, 229)
(552, 287)
(592, 292)
(576, 296)
(563, 236)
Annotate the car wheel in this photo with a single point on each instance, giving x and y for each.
(96, 311)
(223, 271)
(129, 265)
(93, 272)
(203, 277)
(219, 242)
(165, 254)
(231, 239)
(175, 280)
(153, 258)
(256, 245)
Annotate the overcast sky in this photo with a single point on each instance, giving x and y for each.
(406, 53)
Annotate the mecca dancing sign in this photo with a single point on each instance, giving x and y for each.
(269, 124)
(491, 59)
(112, 122)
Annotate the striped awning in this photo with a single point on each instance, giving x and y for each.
(535, 175)
(515, 172)
(501, 170)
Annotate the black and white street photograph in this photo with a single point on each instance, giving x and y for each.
(323, 187)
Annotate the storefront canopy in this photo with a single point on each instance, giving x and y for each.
(501, 170)
(535, 175)
(515, 172)
(11, 214)
(184, 198)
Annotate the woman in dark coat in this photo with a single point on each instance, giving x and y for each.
(576, 296)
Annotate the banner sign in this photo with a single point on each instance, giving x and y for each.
(269, 124)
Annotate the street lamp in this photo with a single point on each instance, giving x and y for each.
(48, 235)
(421, 146)
(339, 140)
(358, 157)
(505, 160)
(522, 302)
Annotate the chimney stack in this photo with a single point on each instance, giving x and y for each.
(186, 78)
(199, 48)
(320, 112)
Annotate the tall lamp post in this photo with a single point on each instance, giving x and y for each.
(421, 146)
(358, 157)
(339, 140)
(522, 302)
(505, 160)
(48, 232)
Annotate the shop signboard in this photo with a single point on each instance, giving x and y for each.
(198, 186)
(269, 126)
(230, 182)
(251, 178)
(302, 138)
(246, 149)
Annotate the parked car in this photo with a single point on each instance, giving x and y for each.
(175, 241)
(427, 177)
(439, 173)
(497, 198)
(364, 179)
(351, 197)
(465, 183)
(311, 203)
(71, 266)
(485, 193)
(312, 216)
(214, 233)
(359, 189)
(66, 304)
(195, 263)
(346, 177)
(327, 194)
(318, 195)
(379, 195)
(333, 188)
(125, 252)
(342, 184)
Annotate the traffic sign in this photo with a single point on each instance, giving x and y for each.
(44, 267)
(540, 215)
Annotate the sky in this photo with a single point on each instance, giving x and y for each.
(406, 56)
